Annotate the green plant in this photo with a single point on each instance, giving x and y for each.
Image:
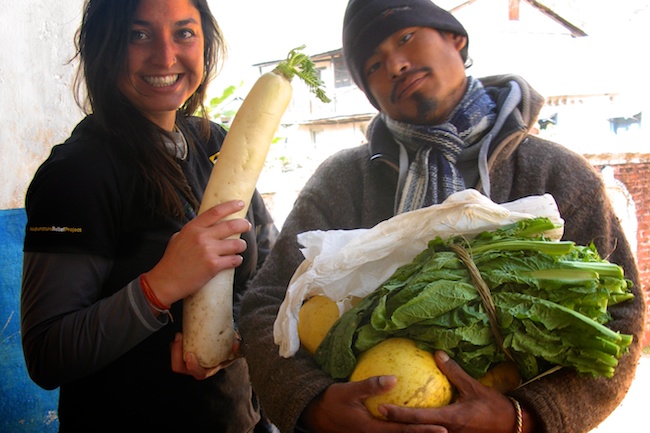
(217, 108)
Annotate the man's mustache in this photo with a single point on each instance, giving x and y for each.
(404, 77)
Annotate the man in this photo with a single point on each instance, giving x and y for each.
(439, 131)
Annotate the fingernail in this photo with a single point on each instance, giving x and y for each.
(442, 355)
(386, 380)
(178, 336)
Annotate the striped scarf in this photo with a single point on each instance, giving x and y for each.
(432, 174)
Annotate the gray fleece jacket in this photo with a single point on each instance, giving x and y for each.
(356, 188)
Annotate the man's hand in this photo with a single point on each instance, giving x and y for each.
(340, 409)
(478, 408)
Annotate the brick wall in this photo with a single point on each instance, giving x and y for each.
(633, 170)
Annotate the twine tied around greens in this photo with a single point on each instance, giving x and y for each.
(486, 297)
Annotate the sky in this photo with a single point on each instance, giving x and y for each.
(258, 31)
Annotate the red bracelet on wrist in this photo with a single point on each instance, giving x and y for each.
(152, 298)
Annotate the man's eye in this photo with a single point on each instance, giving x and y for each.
(407, 37)
(372, 68)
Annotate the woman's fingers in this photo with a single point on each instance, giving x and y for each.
(220, 211)
(188, 363)
(219, 222)
(204, 247)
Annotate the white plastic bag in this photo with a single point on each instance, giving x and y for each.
(342, 264)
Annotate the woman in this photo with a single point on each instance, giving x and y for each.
(113, 244)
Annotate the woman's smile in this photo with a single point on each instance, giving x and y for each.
(161, 80)
(164, 65)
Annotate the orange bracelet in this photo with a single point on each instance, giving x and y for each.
(153, 299)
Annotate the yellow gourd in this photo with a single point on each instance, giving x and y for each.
(420, 383)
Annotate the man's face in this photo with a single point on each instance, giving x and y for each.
(417, 75)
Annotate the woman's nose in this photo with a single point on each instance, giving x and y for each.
(165, 53)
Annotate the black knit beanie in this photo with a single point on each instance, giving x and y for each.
(368, 22)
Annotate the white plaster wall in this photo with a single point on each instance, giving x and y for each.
(37, 108)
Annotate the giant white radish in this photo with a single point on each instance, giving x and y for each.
(208, 329)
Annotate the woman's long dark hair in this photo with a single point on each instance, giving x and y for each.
(101, 45)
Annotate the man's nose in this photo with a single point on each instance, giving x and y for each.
(396, 65)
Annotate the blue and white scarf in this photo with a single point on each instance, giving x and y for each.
(432, 175)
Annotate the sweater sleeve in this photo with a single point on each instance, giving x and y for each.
(66, 332)
(566, 401)
(284, 386)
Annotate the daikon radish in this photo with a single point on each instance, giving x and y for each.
(208, 329)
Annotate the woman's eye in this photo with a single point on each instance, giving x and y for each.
(185, 33)
(138, 35)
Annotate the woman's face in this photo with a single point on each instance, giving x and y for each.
(164, 64)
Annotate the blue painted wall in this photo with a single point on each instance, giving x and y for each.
(24, 407)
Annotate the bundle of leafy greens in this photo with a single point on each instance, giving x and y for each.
(550, 301)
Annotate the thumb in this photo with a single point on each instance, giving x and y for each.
(373, 386)
(452, 370)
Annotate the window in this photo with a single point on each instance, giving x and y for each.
(625, 124)
(315, 135)
(547, 121)
(341, 73)
(319, 72)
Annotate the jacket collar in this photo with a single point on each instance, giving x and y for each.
(383, 146)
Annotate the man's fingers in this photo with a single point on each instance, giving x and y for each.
(449, 367)
(464, 383)
(372, 386)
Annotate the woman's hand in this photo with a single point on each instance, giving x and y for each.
(204, 247)
(189, 365)
(340, 409)
(478, 408)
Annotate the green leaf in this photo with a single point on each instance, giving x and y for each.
(299, 64)
(551, 302)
